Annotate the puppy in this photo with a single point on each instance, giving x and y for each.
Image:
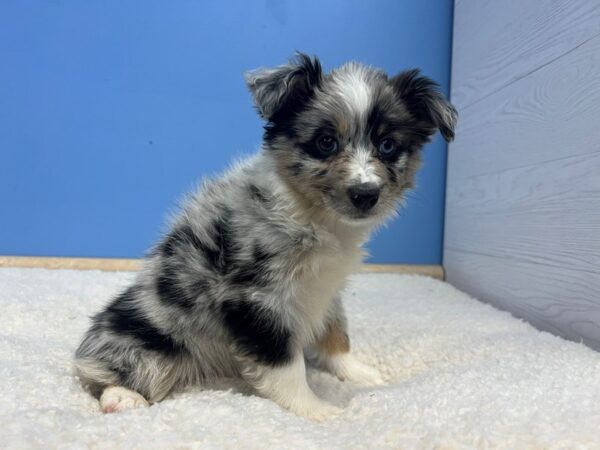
(248, 279)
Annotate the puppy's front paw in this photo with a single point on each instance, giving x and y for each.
(315, 410)
(347, 368)
(117, 398)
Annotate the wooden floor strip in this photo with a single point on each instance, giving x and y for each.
(116, 264)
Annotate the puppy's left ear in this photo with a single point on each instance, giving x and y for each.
(284, 89)
(424, 100)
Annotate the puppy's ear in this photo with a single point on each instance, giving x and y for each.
(286, 88)
(424, 100)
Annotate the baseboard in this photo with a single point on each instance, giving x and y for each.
(430, 270)
(51, 262)
(116, 264)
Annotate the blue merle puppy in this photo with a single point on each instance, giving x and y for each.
(247, 282)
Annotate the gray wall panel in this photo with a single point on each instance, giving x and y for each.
(523, 188)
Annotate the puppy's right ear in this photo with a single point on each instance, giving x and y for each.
(284, 89)
(423, 98)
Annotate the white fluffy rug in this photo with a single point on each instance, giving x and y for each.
(460, 375)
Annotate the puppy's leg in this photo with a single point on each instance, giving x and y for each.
(263, 343)
(126, 360)
(333, 352)
(107, 385)
(286, 385)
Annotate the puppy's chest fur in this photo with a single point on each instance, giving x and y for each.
(320, 272)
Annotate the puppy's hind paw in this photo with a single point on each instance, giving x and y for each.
(118, 398)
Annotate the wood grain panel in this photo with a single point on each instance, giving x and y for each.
(522, 226)
(546, 213)
(560, 300)
(499, 42)
(552, 113)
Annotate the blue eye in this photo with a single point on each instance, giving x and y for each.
(327, 144)
(387, 147)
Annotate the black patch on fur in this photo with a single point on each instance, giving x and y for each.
(257, 272)
(223, 238)
(171, 292)
(295, 168)
(373, 120)
(393, 174)
(122, 372)
(382, 116)
(257, 193)
(168, 246)
(188, 236)
(321, 173)
(257, 332)
(217, 254)
(125, 318)
(178, 238)
(168, 283)
(199, 287)
(311, 148)
(166, 286)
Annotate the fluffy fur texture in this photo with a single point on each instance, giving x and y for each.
(247, 281)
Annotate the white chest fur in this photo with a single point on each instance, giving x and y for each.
(323, 273)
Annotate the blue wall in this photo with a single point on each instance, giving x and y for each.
(111, 110)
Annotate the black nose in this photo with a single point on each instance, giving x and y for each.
(364, 196)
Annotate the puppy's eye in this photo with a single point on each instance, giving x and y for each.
(327, 145)
(387, 148)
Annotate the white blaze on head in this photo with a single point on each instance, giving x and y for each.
(362, 169)
(354, 89)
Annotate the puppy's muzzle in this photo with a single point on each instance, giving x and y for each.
(364, 196)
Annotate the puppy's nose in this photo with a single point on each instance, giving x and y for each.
(364, 196)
